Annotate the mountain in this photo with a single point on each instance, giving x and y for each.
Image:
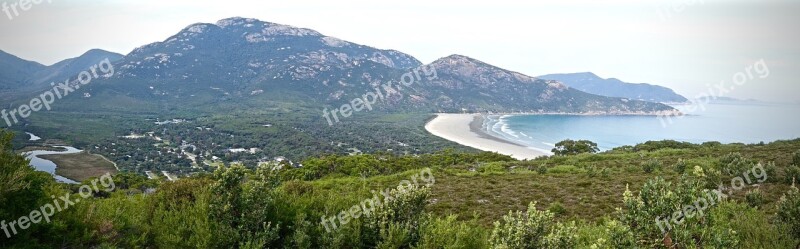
(241, 63)
(591, 83)
(471, 84)
(22, 77)
(16, 72)
(70, 67)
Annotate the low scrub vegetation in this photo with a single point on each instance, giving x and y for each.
(624, 198)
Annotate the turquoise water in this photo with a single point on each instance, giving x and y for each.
(726, 122)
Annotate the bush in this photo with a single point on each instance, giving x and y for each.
(448, 232)
(542, 169)
(734, 164)
(614, 235)
(753, 226)
(243, 205)
(397, 221)
(532, 229)
(680, 166)
(796, 158)
(792, 174)
(771, 170)
(605, 172)
(658, 200)
(494, 167)
(556, 208)
(754, 198)
(789, 211)
(651, 165)
(592, 171)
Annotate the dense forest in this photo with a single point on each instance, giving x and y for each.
(660, 194)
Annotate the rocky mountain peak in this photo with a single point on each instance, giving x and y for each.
(464, 66)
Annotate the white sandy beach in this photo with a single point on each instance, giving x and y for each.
(456, 128)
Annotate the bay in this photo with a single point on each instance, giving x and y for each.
(726, 122)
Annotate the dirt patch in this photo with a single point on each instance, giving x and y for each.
(81, 166)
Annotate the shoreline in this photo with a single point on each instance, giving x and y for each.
(638, 114)
(467, 130)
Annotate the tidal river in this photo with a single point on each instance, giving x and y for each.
(47, 165)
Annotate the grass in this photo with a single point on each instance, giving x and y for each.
(81, 166)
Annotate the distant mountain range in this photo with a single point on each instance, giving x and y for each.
(15, 72)
(18, 75)
(245, 63)
(70, 67)
(591, 83)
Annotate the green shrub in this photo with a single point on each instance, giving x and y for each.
(448, 232)
(651, 165)
(605, 172)
(792, 174)
(789, 211)
(734, 164)
(397, 220)
(771, 170)
(297, 188)
(592, 171)
(556, 208)
(796, 158)
(754, 198)
(493, 167)
(648, 215)
(680, 166)
(754, 228)
(542, 169)
(614, 235)
(243, 205)
(532, 229)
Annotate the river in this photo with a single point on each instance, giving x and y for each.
(47, 165)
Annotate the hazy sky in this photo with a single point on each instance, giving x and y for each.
(689, 46)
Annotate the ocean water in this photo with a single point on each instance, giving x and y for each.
(726, 122)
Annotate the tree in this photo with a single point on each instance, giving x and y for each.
(13, 168)
(571, 147)
(22, 189)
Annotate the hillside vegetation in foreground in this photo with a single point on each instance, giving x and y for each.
(442, 200)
